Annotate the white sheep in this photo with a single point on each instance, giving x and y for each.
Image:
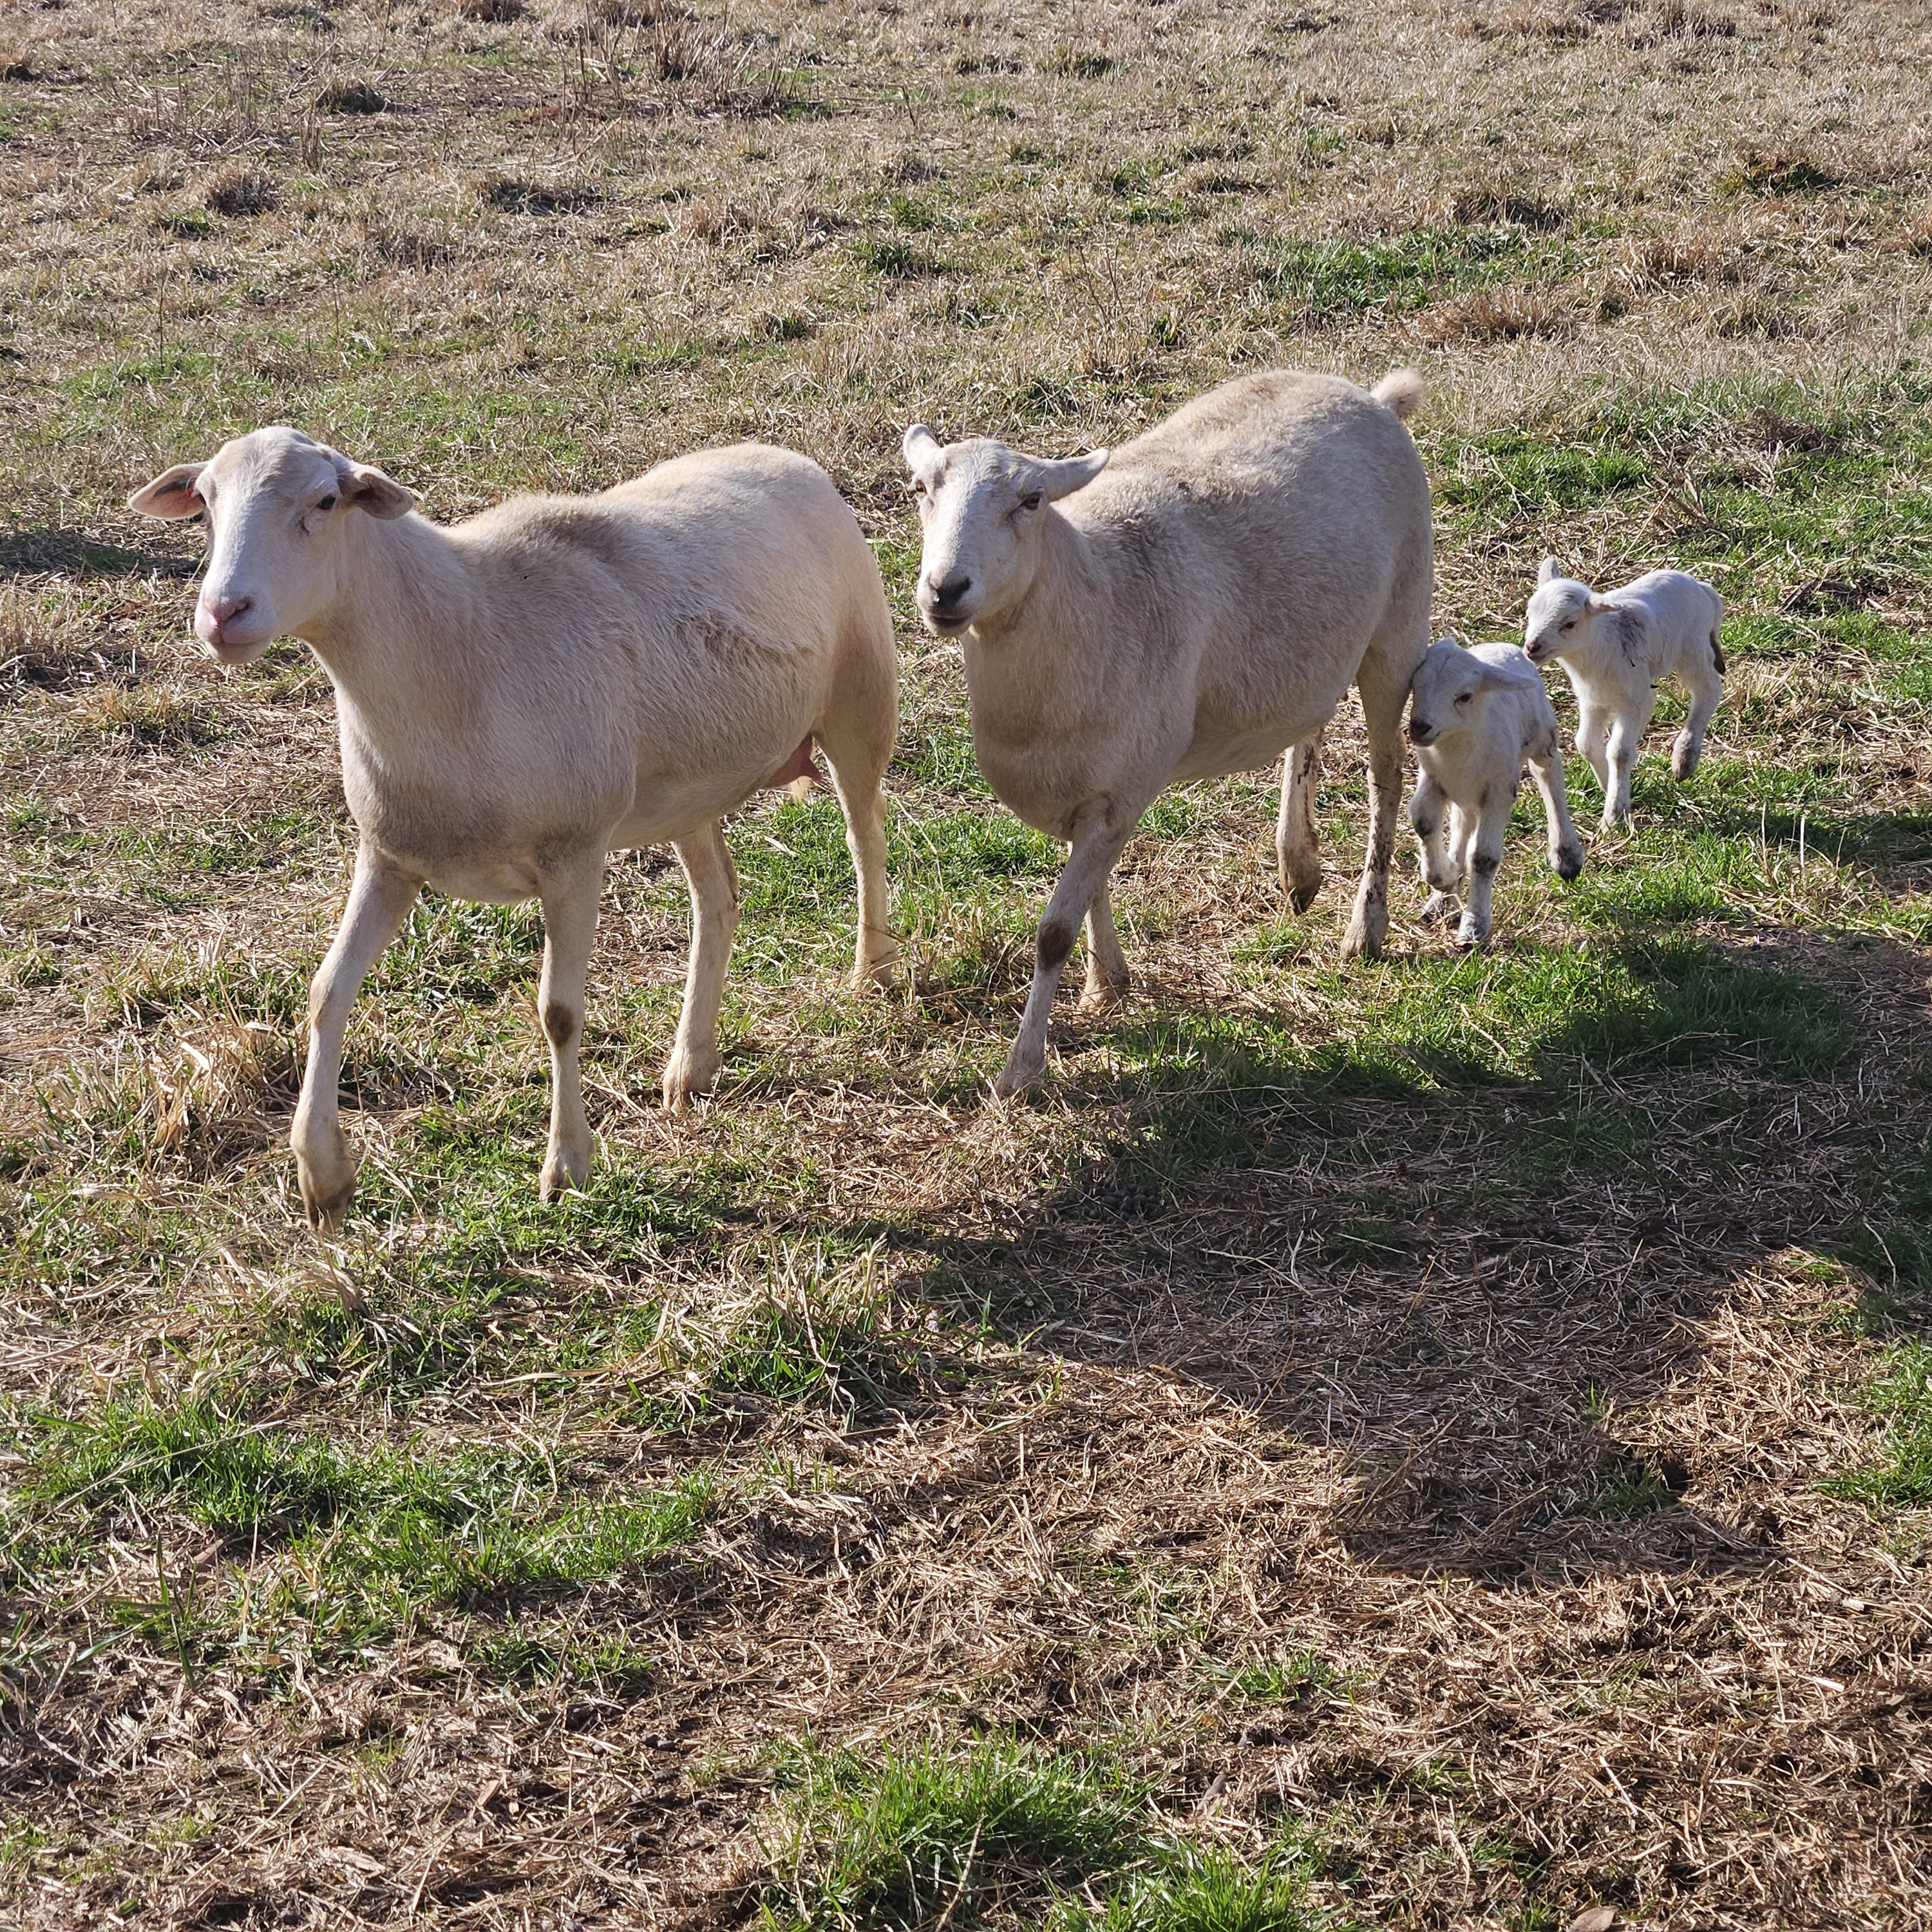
(1474, 716)
(1189, 606)
(1616, 648)
(520, 693)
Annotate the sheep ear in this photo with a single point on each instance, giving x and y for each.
(1551, 568)
(1057, 480)
(921, 449)
(368, 489)
(1599, 603)
(171, 494)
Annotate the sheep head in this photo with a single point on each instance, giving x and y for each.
(979, 506)
(275, 501)
(1560, 613)
(1448, 690)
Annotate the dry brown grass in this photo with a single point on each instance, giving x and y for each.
(1205, 1362)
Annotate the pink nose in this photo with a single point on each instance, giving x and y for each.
(216, 617)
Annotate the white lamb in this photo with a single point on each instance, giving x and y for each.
(521, 693)
(1616, 648)
(1474, 716)
(1194, 605)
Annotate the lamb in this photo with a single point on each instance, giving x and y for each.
(522, 692)
(1189, 605)
(1475, 716)
(1615, 649)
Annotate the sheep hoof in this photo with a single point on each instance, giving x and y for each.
(686, 1073)
(1568, 861)
(1017, 1077)
(1364, 937)
(1684, 763)
(1100, 996)
(326, 1176)
(564, 1171)
(1434, 907)
(1472, 938)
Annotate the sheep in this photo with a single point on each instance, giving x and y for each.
(521, 693)
(1475, 716)
(1614, 649)
(1188, 605)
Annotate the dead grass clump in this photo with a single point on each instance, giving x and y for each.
(239, 189)
(1777, 170)
(524, 197)
(404, 244)
(1499, 315)
(351, 97)
(1555, 20)
(501, 12)
(1764, 429)
(1488, 206)
(1657, 261)
(1680, 20)
(43, 645)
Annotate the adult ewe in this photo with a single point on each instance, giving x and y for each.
(1189, 606)
(1616, 648)
(522, 692)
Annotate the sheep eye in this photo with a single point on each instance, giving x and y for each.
(1461, 698)
(327, 503)
(1031, 502)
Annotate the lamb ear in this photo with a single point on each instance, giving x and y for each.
(1551, 568)
(1057, 480)
(368, 489)
(921, 450)
(1599, 603)
(171, 494)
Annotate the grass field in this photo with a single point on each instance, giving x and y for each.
(1442, 1443)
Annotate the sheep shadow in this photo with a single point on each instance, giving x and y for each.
(59, 551)
(1471, 1290)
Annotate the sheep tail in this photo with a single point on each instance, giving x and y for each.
(1402, 390)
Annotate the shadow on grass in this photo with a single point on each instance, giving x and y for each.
(72, 553)
(1457, 1249)
(1878, 841)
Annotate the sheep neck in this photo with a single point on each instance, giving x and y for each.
(1068, 599)
(402, 621)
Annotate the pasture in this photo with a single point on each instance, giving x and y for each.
(1435, 1443)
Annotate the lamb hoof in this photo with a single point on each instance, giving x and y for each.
(1684, 763)
(1472, 938)
(1436, 906)
(1568, 861)
(1364, 938)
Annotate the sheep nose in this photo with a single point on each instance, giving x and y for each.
(1418, 733)
(226, 610)
(951, 594)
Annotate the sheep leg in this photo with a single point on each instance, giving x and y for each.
(1297, 856)
(1383, 694)
(1706, 688)
(1100, 835)
(1593, 732)
(570, 902)
(1433, 819)
(1626, 743)
(1107, 976)
(1566, 848)
(1485, 854)
(379, 899)
(857, 766)
(708, 871)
